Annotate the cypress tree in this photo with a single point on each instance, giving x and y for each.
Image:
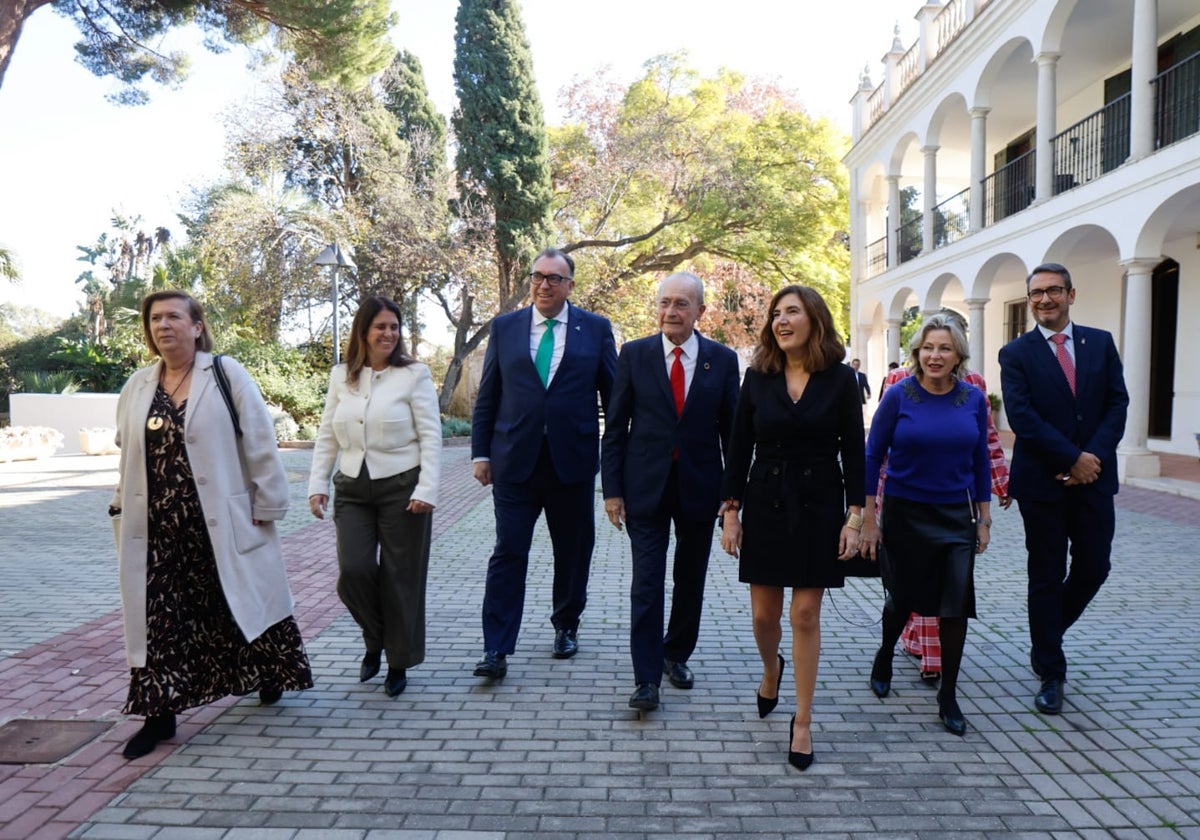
(501, 133)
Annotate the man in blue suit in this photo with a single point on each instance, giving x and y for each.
(1065, 397)
(535, 436)
(664, 440)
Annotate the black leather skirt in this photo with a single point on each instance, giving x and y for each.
(929, 557)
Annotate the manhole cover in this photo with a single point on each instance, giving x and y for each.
(45, 741)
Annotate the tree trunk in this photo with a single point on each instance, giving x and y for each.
(12, 19)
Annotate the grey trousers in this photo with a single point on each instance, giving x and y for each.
(383, 561)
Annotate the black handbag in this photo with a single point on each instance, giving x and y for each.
(859, 566)
(226, 393)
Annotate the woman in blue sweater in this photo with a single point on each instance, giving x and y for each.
(932, 428)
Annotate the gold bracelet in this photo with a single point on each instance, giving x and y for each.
(853, 521)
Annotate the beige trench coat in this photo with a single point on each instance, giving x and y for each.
(233, 490)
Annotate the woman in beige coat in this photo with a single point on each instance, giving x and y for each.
(207, 607)
(382, 429)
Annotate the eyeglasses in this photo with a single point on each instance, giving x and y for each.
(1055, 293)
(537, 278)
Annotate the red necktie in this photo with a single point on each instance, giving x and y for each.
(1064, 358)
(677, 380)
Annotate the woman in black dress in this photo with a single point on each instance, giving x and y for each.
(800, 418)
(207, 608)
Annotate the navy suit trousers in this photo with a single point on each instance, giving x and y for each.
(1085, 521)
(570, 519)
(649, 537)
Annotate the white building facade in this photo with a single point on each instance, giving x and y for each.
(1015, 132)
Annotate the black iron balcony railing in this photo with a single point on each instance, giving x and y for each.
(1096, 144)
(1009, 189)
(877, 257)
(1177, 102)
(908, 239)
(951, 219)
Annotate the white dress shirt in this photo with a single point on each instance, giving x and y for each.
(560, 337)
(688, 358)
(1069, 343)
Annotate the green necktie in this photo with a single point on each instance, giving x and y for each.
(545, 352)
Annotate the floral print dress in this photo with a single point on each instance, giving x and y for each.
(195, 652)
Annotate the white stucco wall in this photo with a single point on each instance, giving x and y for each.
(66, 412)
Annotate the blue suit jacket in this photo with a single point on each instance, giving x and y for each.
(514, 411)
(1052, 427)
(641, 429)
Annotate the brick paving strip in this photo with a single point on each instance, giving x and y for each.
(552, 751)
(82, 674)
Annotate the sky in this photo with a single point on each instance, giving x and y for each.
(70, 158)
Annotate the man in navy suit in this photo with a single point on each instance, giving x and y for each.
(535, 436)
(864, 387)
(664, 440)
(1065, 397)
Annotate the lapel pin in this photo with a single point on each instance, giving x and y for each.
(707, 366)
(576, 328)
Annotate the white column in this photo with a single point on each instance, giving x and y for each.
(930, 153)
(855, 235)
(1145, 67)
(975, 337)
(975, 198)
(1134, 460)
(1047, 124)
(893, 341)
(893, 221)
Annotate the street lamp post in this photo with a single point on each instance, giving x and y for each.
(334, 257)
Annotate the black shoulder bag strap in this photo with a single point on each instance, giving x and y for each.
(226, 393)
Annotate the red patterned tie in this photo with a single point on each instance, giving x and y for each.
(1064, 358)
(677, 380)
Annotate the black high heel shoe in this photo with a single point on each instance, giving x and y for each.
(951, 715)
(881, 673)
(766, 705)
(799, 760)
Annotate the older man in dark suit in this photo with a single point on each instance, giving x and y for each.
(1065, 397)
(663, 453)
(535, 436)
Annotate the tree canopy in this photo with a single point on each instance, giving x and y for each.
(502, 152)
(684, 171)
(344, 41)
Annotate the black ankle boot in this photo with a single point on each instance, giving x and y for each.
(156, 728)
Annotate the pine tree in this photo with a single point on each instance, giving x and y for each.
(501, 133)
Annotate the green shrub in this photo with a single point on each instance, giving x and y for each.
(456, 427)
(284, 375)
(307, 432)
(285, 426)
(48, 382)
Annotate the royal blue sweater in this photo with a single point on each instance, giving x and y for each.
(935, 444)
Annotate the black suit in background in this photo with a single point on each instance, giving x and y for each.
(639, 463)
(1052, 427)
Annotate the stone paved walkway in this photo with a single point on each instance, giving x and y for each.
(553, 751)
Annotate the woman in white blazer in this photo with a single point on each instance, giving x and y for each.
(207, 608)
(382, 429)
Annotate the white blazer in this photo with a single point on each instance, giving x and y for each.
(389, 419)
(232, 490)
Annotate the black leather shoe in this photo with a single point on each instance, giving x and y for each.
(370, 665)
(395, 682)
(679, 674)
(269, 696)
(493, 664)
(766, 705)
(156, 728)
(951, 715)
(799, 760)
(881, 673)
(644, 697)
(1050, 699)
(566, 643)
(1037, 672)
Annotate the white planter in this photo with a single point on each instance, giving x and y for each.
(98, 441)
